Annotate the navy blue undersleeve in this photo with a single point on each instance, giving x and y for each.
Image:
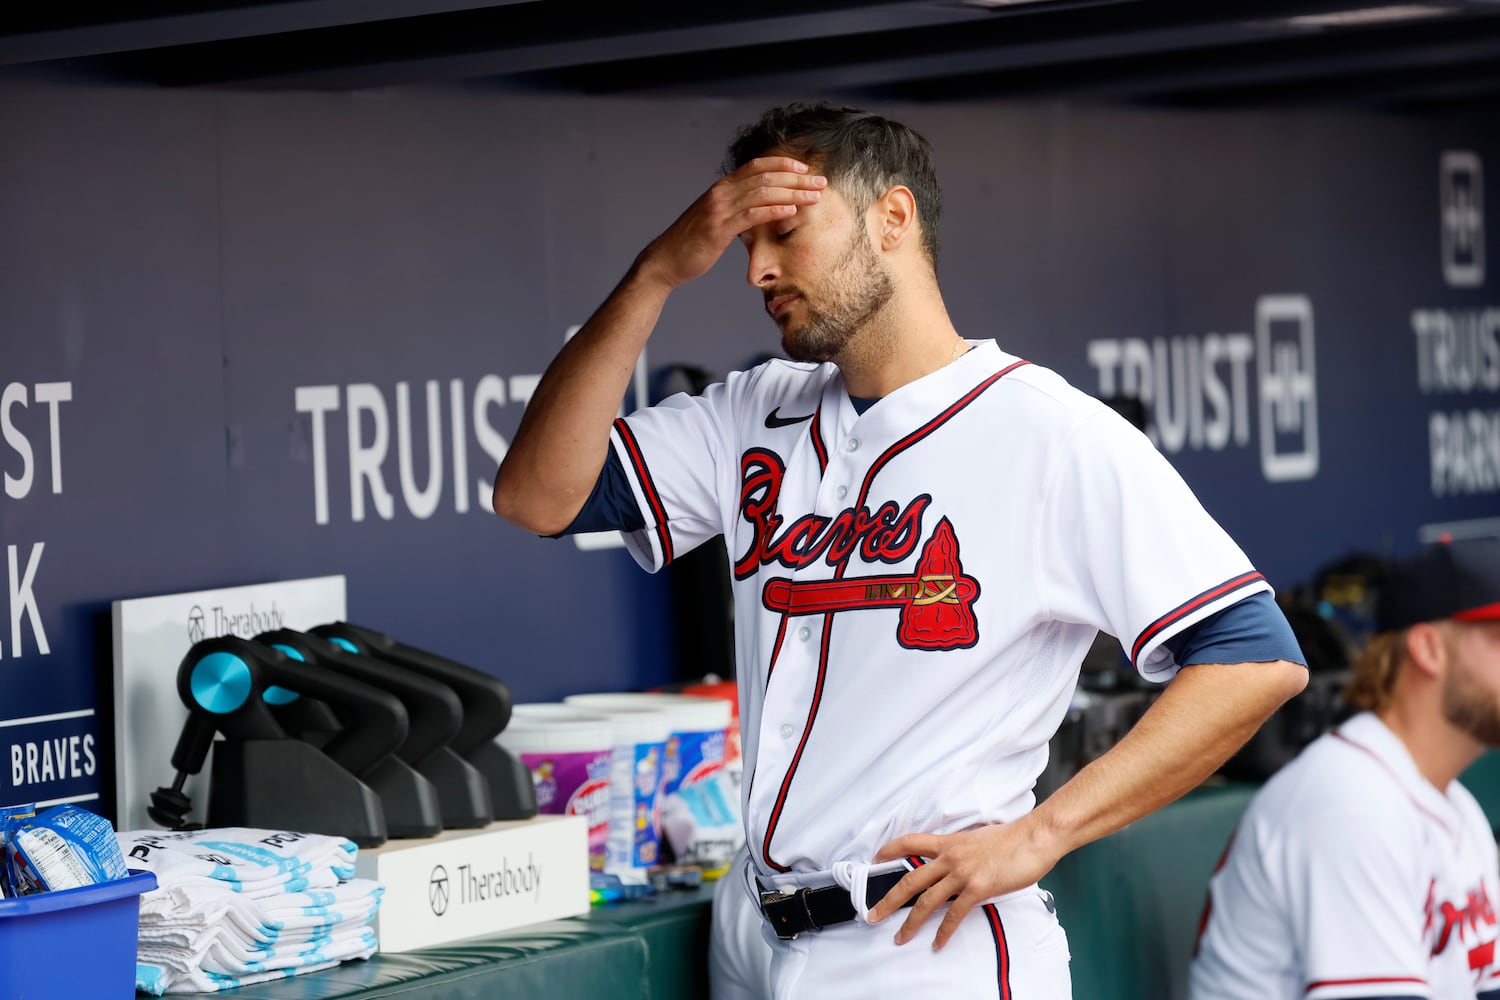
(1250, 631)
(611, 506)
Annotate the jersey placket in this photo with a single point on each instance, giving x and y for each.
(799, 668)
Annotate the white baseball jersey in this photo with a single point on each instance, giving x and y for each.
(1351, 875)
(915, 587)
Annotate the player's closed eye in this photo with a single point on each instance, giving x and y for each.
(783, 235)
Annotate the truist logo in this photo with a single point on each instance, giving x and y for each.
(888, 534)
(1462, 176)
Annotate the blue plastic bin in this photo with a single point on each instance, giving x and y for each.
(75, 943)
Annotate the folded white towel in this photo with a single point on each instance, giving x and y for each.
(157, 981)
(254, 860)
(235, 906)
(222, 956)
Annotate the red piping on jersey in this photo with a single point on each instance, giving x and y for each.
(775, 651)
(816, 429)
(1399, 783)
(1176, 614)
(812, 713)
(648, 487)
(776, 648)
(1208, 902)
(1002, 950)
(1413, 980)
(838, 573)
(926, 429)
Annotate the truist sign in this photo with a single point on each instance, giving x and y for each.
(1224, 390)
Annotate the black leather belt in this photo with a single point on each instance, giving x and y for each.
(794, 912)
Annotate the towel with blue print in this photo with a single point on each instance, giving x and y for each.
(255, 862)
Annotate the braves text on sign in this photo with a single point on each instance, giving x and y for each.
(1197, 390)
(36, 762)
(50, 759)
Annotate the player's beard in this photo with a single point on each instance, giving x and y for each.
(856, 289)
(1469, 706)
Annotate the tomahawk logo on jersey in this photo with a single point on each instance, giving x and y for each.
(917, 584)
(935, 602)
(1467, 926)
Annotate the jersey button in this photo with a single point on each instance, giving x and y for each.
(787, 731)
(804, 633)
(842, 492)
(853, 444)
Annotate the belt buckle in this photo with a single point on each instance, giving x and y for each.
(770, 898)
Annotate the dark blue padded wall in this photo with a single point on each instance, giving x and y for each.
(289, 335)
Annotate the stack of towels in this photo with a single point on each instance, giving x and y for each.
(235, 906)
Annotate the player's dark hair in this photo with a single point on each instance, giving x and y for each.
(862, 154)
(1372, 679)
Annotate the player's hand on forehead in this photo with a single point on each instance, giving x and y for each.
(774, 187)
(765, 190)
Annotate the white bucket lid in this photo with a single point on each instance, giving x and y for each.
(537, 711)
(687, 712)
(556, 729)
(631, 723)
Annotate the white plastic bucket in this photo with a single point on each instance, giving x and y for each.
(569, 754)
(634, 841)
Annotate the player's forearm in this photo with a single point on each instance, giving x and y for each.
(1206, 713)
(563, 440)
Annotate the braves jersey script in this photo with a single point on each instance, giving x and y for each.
(1351, 875)
(915, 586)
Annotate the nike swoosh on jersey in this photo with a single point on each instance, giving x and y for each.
(774, 419)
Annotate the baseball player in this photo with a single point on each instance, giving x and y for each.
(1363, 868)
(925, 534)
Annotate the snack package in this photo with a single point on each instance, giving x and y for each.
(23, 811)
(63, 848)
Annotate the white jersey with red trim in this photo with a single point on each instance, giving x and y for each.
(1351, 875)
(915, 587)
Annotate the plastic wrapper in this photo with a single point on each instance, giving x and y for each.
(7, 813)
(62, 848)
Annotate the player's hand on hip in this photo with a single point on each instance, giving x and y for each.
(766, 189)
(967, 867)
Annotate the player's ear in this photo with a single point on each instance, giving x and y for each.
(896, 217)
(1427, 650)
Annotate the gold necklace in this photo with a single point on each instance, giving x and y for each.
(958, 351)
